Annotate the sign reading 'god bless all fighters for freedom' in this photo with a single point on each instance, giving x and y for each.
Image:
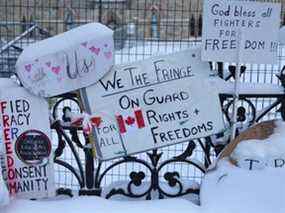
(26, 143)
(240, 31)
(157, 102)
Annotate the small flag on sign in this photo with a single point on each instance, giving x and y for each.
(136, 121)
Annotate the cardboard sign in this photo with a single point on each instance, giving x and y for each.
(238, 31)
(256, 163)
(153, 103)
(26, 142)
(67, 62)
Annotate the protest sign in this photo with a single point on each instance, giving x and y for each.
(25, 134)
(241, 32)
(153, 103)
(67, 62)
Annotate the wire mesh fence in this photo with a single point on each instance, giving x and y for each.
(142, 28)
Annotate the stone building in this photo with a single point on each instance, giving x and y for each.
(175, 19)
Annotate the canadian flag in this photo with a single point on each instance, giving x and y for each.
(86, 121)
(135, 120)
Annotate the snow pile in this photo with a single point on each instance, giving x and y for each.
(265, 150)
(100, 205)
(236, 190)
(225, 189)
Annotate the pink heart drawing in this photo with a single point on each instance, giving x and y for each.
(108, 55)
(95, 50)
(48, 64)
(28, 67)
(84, 44)
(55, 70)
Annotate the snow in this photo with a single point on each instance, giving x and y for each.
(99, 205)
(225, 87)
(64, 41)
(227, 188)
(265, 150)
(235, 190)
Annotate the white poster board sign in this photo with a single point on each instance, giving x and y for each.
(25, 131)
(153, 103)
(67, 62)
(240, 31)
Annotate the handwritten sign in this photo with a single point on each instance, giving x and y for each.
(153, 103)
(67, 62)
(26, 143)
(255, 163)
(237, 31)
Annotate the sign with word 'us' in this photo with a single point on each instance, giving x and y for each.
(154, 103)
(240, 31)
(25, 131)
(67, 62)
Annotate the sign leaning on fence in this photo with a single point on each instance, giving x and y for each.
(25, 134)
(157, 102)
(241, 32)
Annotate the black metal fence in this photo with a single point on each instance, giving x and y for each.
(142, 28)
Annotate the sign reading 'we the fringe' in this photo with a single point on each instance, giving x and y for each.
(153, 103)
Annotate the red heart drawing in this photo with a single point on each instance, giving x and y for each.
(108, 55)
(96, 121)
(48, 64)
(95, 50)
(28, 67)
(55, 70)
(84, 44)
(130, 120)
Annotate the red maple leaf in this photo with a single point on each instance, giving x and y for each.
(96, 121)
(130, 120)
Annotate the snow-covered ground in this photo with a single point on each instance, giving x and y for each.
(227, 188)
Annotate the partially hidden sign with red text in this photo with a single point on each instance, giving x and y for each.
(26, 137)
(153, 103)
